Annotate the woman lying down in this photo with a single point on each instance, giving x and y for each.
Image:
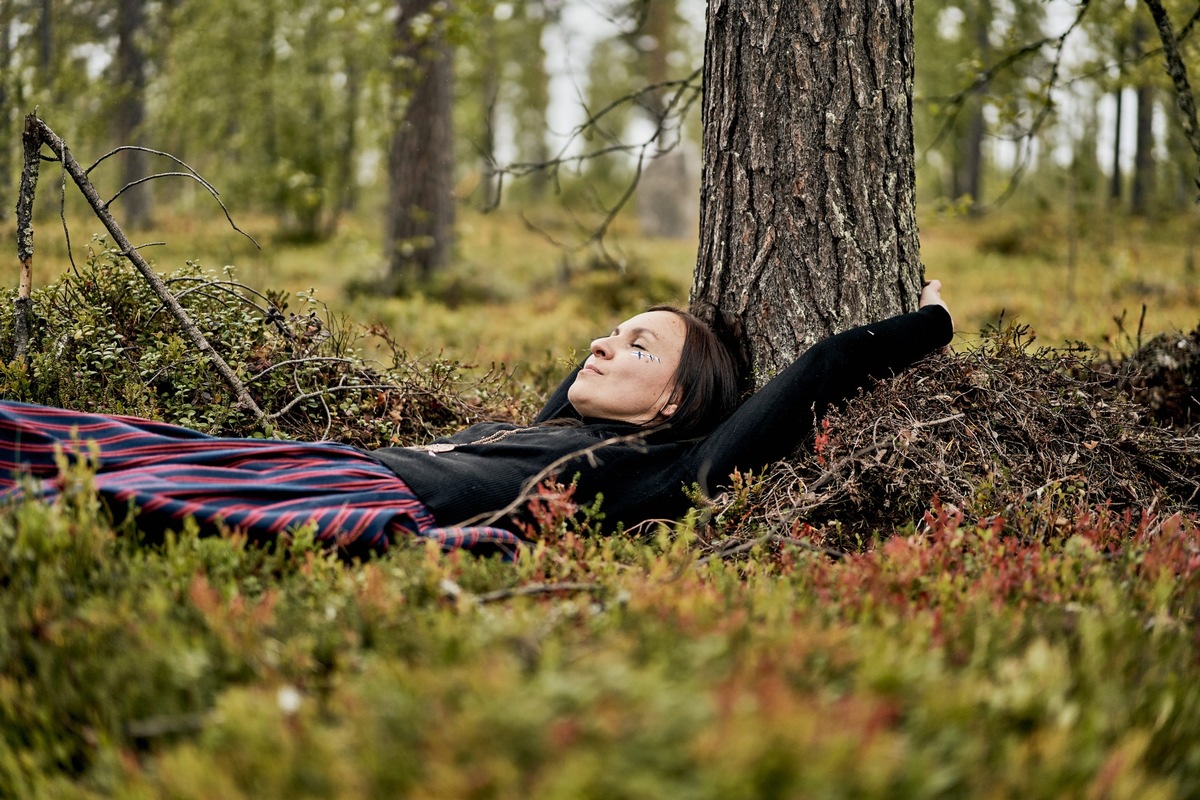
(652, 411)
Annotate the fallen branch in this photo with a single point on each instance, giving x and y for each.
(25, 194)
(38, 133)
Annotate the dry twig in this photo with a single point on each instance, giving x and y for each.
(995, 431)
(37, 134)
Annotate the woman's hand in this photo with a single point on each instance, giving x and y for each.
(931, 295)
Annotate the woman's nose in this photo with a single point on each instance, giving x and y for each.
(601, 348)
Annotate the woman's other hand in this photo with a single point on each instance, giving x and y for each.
(931, 295)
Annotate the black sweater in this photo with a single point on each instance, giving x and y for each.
(643, 477)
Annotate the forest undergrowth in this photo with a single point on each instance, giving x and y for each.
(980, 578)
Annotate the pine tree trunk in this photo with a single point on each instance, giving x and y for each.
(1143, 156)
(347, 180)
(421, 158)
(1143, 152)
(488, 49)
(808, 212)
(971, 183)
(531, 125)
(46, 39)
(1115, 181)
(130, 112)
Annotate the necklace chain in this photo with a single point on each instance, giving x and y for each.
(446, 447)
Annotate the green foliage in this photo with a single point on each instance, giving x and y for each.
(104, 342)
(274, 97)
(954, 661)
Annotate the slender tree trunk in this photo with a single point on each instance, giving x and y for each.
(7, 116)
(536, 85)
(1185, 102)
(971, 177)
(46, 39)
(1143, 152)
(489, 184)
(808, 213)
(420, 160)
(659, 19)
(666, 207)
(347, 199)
(1114, 186)
(130, 112)
(27, 189)
(266, 109)
(1143, 146)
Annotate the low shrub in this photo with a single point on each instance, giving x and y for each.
(958, 660)
(103, 342)
(982, 582)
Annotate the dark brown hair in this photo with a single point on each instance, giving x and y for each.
(707, 384)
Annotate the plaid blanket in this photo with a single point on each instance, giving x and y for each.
(265, 488)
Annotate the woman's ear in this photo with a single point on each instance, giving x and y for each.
(669, 409)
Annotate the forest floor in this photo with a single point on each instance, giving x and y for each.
(990, 590)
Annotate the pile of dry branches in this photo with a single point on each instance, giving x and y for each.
(1164, 376)
(999, 429)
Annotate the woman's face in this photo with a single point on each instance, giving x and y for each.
(630, 374)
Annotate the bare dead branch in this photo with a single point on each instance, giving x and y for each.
(1043, 114)
(221, 286)
(297, 361)
(44, 135)
(270, 310)
(28, 188)
(329, 390)
(550, 470)
(189, 173)
(1185, 101)
(954, 103)
(685, 93)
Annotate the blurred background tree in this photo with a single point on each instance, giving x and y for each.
(292, 108)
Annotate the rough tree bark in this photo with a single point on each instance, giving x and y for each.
(6, 104)
(808, 213)
(421, 157)
(31, 149)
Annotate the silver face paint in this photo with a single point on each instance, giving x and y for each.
(642, 354)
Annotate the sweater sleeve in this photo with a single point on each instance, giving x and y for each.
(557, 405)
(775, 420)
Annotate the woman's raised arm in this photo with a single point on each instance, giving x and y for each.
(775, 420)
